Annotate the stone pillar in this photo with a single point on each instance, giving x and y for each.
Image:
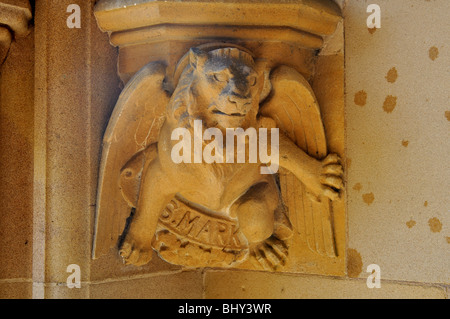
(71, 98)
(16, 148)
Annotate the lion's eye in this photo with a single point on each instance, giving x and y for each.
(220, 77)
(252, 80)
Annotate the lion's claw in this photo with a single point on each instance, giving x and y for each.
(133, 254)
(330, 179)
(270, 254)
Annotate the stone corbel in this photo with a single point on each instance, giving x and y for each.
(15, 16)
(257, 63)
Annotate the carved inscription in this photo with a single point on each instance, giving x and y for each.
(193, 237)
(200, 227)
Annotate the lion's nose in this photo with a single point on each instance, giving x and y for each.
(240, 101)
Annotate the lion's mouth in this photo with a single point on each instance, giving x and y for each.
(218, 112)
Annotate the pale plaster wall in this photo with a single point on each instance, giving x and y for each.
(399, 156)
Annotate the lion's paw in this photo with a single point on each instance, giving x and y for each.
(134, 254)
(271, 254)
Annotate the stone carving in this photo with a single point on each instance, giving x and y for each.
(14, 19)
(218, 214)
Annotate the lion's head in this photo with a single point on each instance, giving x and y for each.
(220, 87)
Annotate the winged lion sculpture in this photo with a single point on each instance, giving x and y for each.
(219, 214)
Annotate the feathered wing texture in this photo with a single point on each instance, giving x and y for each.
(293, 106)
(133, 127)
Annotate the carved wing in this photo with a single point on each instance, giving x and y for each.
(127, 146)
(293, 106)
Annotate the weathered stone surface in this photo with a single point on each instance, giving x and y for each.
(15, 290)
(16, 15)
(16, 159)
(157, 32)
(181, 285)
(244, 285)
(136, 153)
(71, 103)
(402, 185)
